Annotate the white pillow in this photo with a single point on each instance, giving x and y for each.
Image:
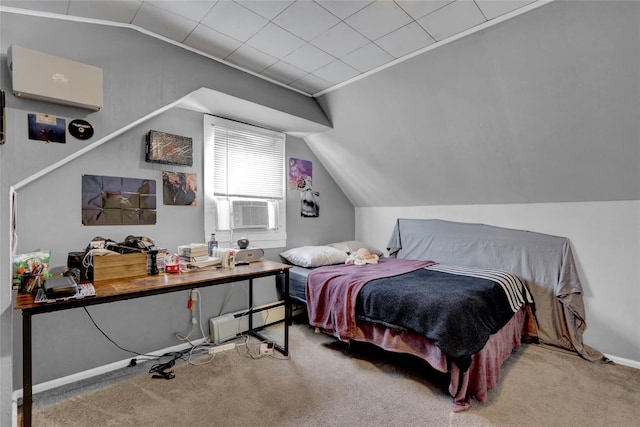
(314, 256)
(353, 245)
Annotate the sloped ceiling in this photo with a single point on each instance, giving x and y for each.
(541, 108)
(308, 46)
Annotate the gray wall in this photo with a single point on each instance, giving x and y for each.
(67, 341)
(529, 124)
(337, 219)
(142, 74)
(540, 108)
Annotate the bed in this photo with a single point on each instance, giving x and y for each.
(361, 302)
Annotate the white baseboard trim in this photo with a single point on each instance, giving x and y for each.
(79, 376)
(623, 361)
(14, 412)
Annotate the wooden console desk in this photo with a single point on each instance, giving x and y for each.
(137, 287)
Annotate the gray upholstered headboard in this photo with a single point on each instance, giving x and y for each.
(543, 261)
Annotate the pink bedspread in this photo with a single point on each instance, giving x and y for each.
(485, 370)
(332, 291)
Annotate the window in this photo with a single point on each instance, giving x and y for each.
(244, 183)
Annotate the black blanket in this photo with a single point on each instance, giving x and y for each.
(457, 312)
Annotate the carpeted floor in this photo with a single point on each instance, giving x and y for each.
(329, 383)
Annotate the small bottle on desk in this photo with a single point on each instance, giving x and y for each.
(232, 259)
(211, 244)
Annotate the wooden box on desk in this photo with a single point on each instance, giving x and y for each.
(109, 267)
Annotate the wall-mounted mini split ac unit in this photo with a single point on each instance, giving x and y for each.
(44, 77)
(249, 214)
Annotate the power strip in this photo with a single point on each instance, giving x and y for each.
(266, 348)
(222, 347)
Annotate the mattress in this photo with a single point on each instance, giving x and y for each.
(297, 283)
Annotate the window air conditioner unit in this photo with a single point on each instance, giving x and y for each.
(44, 77)
(250, 214)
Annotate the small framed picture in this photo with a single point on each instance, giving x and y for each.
(169, 149)
(310, 204)
(45, 127)
(179, 188)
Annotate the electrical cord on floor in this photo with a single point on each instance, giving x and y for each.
(194, 297)
(206, 337)
(112, 341)
(197, 348)
(134, 362)
(252, 350)
(160, 370)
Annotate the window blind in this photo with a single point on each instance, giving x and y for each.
(248, 161)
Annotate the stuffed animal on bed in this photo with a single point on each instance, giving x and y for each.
(361, 257)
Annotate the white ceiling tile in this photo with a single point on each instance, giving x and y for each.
(379, 18)
(268, 9)
(288, 40)
(283, 72)
(306, 19)
(405, 40)
(343, 9)
(251, 58)
(164, 23)
(311, 84)
(452, 19)
(230, 18)
(419, 8)
(275, 41)
(212, 42)
(367, 58)
(117, 11)
(340, 40)
(336, 72)
(494, 8)
(190, 9)
(51, 6)
(308, 58)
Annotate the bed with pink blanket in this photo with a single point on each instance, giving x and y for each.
(460, 296)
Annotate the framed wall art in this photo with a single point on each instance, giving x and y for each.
(109, 200)
(162, 147)
(309, 204)
(179, 188)
(300, 174)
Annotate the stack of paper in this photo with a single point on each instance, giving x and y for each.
(209, 261)
(193, 250)
(195, 255)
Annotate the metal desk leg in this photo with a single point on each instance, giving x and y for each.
(250, 305)
(284, 349)
(287, 312)
(26, 369)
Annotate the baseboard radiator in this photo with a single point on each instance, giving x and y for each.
(229, 326)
